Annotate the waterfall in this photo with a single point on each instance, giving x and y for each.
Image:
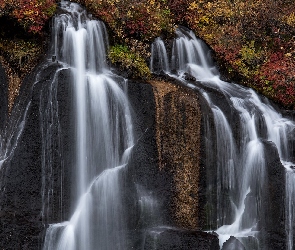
(103, 136)
(159, 58)
(240, 157)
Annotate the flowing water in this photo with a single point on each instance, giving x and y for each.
(103, 139)
(103, 136)
(240, 159)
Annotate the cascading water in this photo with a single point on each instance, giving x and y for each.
(103, 137)
(159, 58)
(240, 159)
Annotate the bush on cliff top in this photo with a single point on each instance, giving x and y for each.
(31, 14)
(247, 37)
(254, 41)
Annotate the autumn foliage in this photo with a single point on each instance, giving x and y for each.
(254, 41)
(140, 19)
(31, 14)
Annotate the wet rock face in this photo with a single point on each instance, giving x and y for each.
(178, 119)
(20, 186)
(173, 239)
(144, 184)
(3, 97)
(160, 168)
(22, 193)
(273, 232)
(161, 177)
(233, 244)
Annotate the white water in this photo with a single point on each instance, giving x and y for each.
(240, 163)
(103, 137)
(159, 57)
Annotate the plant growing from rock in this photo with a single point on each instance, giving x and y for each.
(130, 62)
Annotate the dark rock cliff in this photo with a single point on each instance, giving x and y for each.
(170, 167)
(36, 176)
(165, 167)
(28, 175)
(273, 203)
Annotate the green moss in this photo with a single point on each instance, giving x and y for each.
(51, 10)
(129, 61)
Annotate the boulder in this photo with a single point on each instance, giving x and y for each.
(233, 244)
(175, 239)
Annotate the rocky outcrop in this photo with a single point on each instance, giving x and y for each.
(21, 182)
(178, 119)
(273, 232)
(36, 177)
(27, 200)
(168, 189)
(233, 244)
(165, 170)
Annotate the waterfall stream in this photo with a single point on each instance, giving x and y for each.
(240, 159)
(76, 99)
(103, 136)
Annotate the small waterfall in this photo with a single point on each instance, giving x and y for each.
(191, 57)
(227, 162)
(240, 158)
(159, 58)
(103, 137)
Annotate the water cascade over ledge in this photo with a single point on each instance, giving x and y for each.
(103, 136)
(79, 166)
(240, 157)
(91, 160)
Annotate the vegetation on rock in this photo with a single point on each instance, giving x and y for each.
(31, 14)
(130, 62)
(22, 30)
(254, 41)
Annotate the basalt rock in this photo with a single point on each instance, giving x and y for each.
(233, 244)
(23, 210)
(173, 239)
(273, 232)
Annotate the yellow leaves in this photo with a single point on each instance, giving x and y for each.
(151, 2)
(248, 52)
(290, 20)
(209, 37)
(248, 64)
(193, 6)
(29, 12)
(204, 20)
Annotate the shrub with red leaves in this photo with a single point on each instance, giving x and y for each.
(31, 14)
(276, 79)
